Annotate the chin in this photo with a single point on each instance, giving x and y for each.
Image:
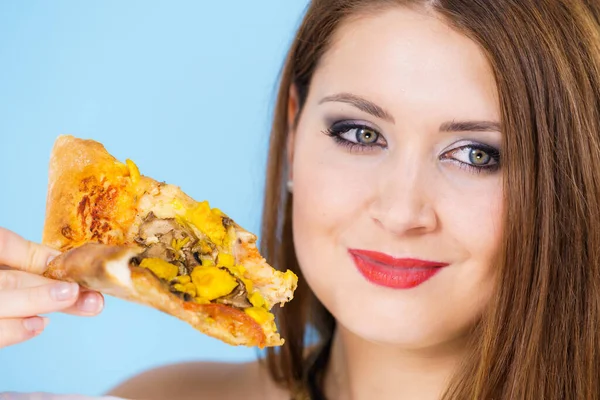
(407, 336)
(396, 319)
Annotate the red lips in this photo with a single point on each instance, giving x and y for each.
(398, 273)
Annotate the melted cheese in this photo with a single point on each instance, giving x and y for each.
(134, 172)
(188, 288)
(257, 300)
(183, 279)
(226, 260)
(212, 283)
(161, 268)
(260, 315)
(208, 222)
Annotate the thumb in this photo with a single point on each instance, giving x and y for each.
(19, 253)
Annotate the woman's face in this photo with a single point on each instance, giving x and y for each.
(397, 180)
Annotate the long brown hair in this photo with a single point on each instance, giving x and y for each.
(540, 335)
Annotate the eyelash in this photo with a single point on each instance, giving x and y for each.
(492, 152)
(336, 130)
(339, 128)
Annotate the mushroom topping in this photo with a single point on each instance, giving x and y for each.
(190, 259)
(159, 250)
(227, 222)
(183, 270)
(153, 227)
(237, 298)
(169, 244)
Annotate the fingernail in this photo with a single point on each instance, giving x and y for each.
(35, 324)
(90, 303)
(64, 291)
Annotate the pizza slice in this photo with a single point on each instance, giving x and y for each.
(127, 235)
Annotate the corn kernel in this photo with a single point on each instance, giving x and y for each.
(178, 244)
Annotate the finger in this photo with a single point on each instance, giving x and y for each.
(38, 300)
(17, 330)
(88, 304)
(11, 280)
(22, 254)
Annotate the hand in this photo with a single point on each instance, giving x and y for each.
(24, 293)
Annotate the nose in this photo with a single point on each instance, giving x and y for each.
(403, 204)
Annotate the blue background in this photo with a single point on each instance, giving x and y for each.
(185, 89)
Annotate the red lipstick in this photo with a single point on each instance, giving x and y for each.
(396, 273)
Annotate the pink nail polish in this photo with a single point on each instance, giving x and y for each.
(90, 303)
(64, 291)
(35, 324)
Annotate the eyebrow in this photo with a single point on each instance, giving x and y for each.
(360, 103)
(379, 112)
(471, 126)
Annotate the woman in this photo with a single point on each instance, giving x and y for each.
(433, 181)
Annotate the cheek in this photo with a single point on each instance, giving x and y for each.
(330, 188)
(329, 198)
(474, 219)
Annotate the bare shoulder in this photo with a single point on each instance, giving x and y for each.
(203, 380)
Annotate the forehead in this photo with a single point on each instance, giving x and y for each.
(409, 59)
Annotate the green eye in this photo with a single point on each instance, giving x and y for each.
(366, 136)
(356, 136)
(479, 157)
